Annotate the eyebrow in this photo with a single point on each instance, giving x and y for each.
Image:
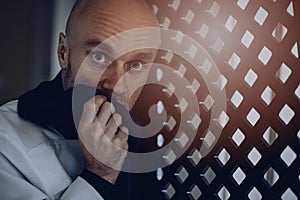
(92, 43)
(143, 55)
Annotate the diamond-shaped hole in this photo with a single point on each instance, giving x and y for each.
(271, 176)
(247, 39)
(288, 156)
(289, 195)
(208, 139)
(170, 124)
(254, 156)
(270, 136)
(265, 55)
(182, 106)
(215, 8)
(175, 5)
(283, 73)
(279, 32)
(250, 77)
(194, 86)
(209, 175)
(208, 102)
(223, 156)
(261, 16)
(192, 51)
(230, 23)
(189, 16)
(181, 70)
(295, 51)
(203, 31)
(194, 192)
(237, 98)
(169, 157)
(218, 46)
(223, 119)
(268, 95)
(181, 174)
(224, 193)
(182, 140)
(238, 137)
(290, 9)
(234, 61)
(254, 194)
(168, 191)
(253, 116)
(169, 90)
(286, 114)
(239, 176)
(166, 23)
(221, 82)
(242, 3)
(168, 56)
(297, 91)
(195, 121)
(194, 157)
(206, 66)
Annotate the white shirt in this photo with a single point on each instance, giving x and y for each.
(37, 163)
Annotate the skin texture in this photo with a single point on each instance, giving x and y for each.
(91, 23)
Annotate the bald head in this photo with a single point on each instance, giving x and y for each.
(132, 13)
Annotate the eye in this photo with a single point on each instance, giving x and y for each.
(136, 66)
(98, 57)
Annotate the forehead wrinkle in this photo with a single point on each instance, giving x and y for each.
(111, 20)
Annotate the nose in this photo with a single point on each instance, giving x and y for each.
(112, 75)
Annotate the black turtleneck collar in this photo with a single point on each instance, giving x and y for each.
(49, 106)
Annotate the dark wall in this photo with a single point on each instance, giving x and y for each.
(26, 28)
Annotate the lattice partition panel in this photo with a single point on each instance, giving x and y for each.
(255, 45)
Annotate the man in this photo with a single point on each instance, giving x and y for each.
(41, 157)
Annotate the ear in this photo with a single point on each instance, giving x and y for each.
(62, 51)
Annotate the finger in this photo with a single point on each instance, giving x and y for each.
(121, 139)
(105, 113)
(123, 133)
(91, 108)
(112, 126)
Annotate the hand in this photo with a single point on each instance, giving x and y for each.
(104, 145)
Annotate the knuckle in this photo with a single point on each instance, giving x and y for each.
(117, 142)
(95, 101)
(126, 147)
(125, 130)
(110, 106)
(117, 118)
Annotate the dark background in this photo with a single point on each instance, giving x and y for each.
(28, 39)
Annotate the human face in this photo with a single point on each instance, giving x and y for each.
(120, 65)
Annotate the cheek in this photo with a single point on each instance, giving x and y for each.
(135, 86)
(88, 75)
(135, 82)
